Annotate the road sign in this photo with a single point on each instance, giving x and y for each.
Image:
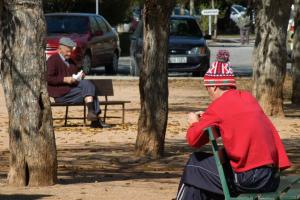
(210, 12)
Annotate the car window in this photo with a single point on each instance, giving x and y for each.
(240, 8)
(94, 25)
(176, 11)
(108, 26)
(232, 11)
(185, 27)
(67, 24)
(102, 24)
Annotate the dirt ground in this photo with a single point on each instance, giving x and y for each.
(101, 164)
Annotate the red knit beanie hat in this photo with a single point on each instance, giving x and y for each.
(223, 55)
(219, 74)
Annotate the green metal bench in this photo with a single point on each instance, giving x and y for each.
(289, 188)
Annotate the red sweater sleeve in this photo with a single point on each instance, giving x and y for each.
(196, 137)
(53, 76)
(283, 161)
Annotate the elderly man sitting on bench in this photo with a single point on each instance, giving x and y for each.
(65, 82)
(251, 142)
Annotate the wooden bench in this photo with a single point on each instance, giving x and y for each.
(104, 88)
(289, 188)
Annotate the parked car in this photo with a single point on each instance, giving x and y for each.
(188, 51)
(97, 42)
(237, 11)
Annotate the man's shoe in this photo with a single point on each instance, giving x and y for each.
(91, 116)
(103, 124)
(99, 124)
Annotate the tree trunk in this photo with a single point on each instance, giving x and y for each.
(182, 7)
(296, 56)
(269, 55)
(22, 64)
(154, 79)
(192, 7)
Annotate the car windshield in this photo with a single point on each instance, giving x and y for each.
(66, 24)
(177, 11)
(240, 8)
(185, 27)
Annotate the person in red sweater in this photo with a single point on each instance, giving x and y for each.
(65, 82)
(252, 144)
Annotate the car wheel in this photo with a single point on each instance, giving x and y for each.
(134, 70)
(197, 73)
(87, 63)
(112, 68)
(202, 71)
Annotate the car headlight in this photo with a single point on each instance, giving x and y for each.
(197, 51)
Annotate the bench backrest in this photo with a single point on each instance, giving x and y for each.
(104, 87)
(212, 132)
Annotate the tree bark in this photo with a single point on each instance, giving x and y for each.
(182, 8)
(296, 56)
(154, 79)
(269, 55)
(22, 65)
(192, 7)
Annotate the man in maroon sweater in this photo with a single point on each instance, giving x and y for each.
(251, 142)
(65, 87)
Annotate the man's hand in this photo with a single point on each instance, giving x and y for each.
(69, 80)
(192, 118)
(82, 75)
(199, 113)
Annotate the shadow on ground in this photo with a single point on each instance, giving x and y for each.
(103, 163)
(292, 110)
(98, 163)
(22, 196)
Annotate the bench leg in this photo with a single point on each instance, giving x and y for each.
(105, 109)
(84, 114)
(123, 114)
(66, 115)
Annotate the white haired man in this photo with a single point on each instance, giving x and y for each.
(65, 88)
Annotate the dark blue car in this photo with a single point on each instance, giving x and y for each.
(188, 51)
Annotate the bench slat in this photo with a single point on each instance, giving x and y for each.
(246, 196)
(254, 197)
(285, 183)
(293, 192)
(66, 104)
(104, 87)
(113, 102)
(81, 104)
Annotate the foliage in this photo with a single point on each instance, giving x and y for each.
(240, 2)
(107, 8)
(114, 14)
(204, 19)
(68, 6)
(137, 2)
